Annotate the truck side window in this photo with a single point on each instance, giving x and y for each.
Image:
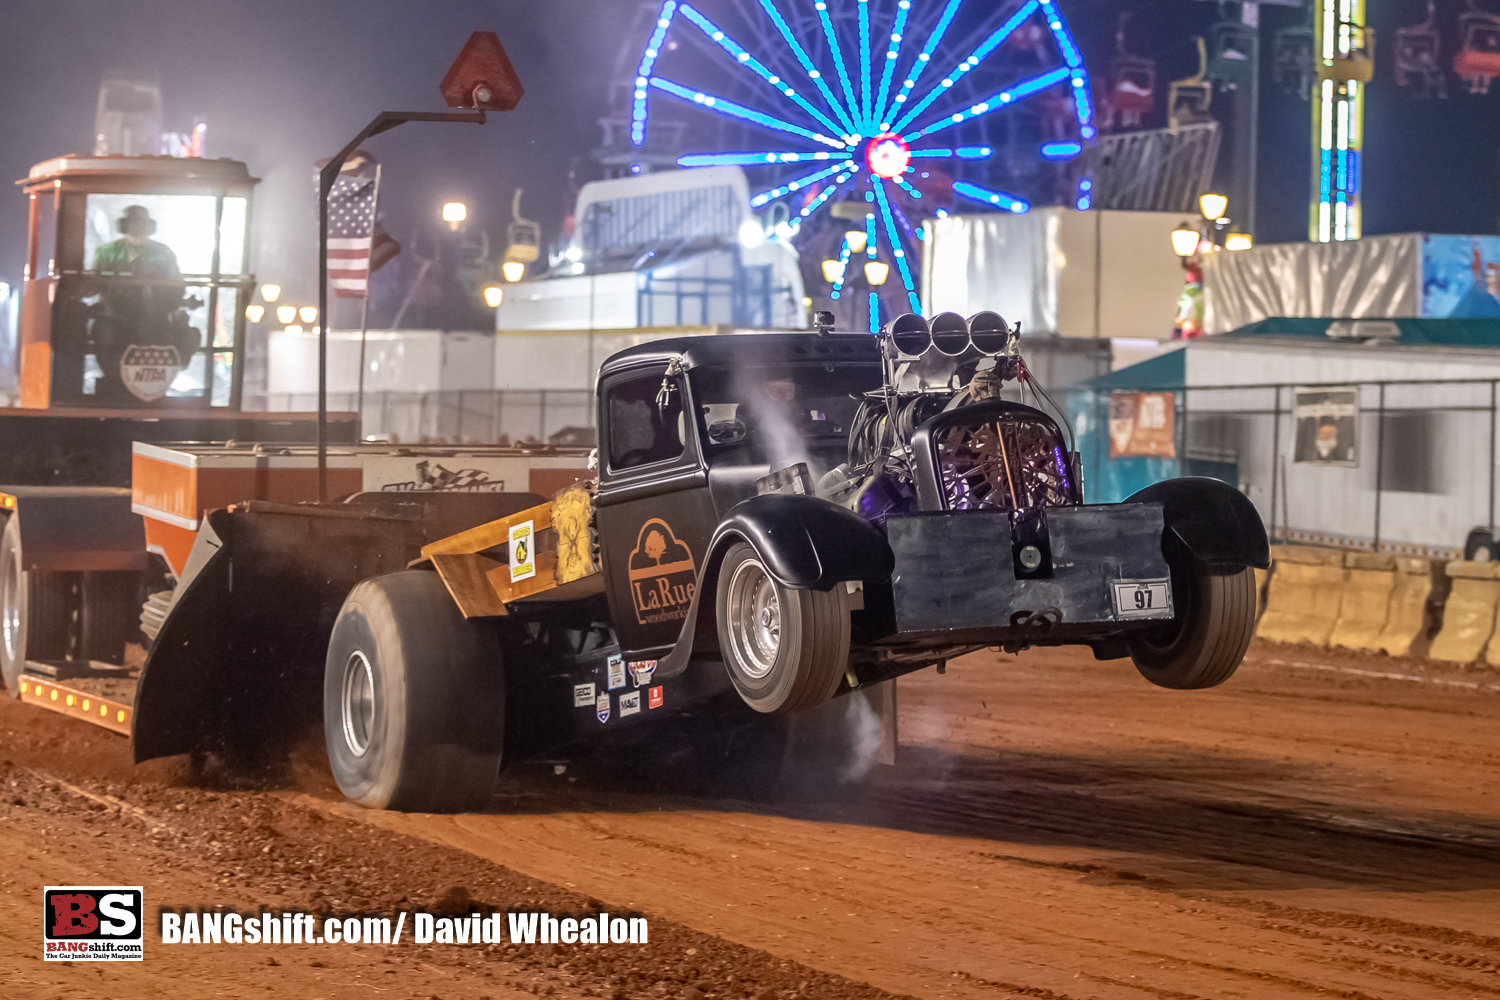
(642, 428)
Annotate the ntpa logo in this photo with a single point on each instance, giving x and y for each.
(92, 923)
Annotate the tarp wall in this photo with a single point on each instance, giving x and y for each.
(1041, 267)
(1380, 277)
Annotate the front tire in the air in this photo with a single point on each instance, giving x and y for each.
(785, 649)
(413, 698)
(1206, 639)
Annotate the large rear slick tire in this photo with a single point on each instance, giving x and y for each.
(413, 698)
(1214, 621)
(785, 649)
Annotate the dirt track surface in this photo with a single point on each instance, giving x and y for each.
(1322, 825)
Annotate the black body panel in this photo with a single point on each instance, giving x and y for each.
(954, 573)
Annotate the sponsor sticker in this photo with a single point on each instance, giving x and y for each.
(630, 704)
(601, 707)
(92, 923)
(583, 695)
(662, 574)
(655, 700)
(522, 551)
(642, 670)
(616, 671)
(148, 371)
(1142, 598)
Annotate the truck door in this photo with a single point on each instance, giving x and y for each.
(654, 510)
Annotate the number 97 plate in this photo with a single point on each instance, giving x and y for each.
(1143, 598)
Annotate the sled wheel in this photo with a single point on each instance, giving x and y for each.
(785, 649)
(413, 698)
(35, 610)
(1206, 639)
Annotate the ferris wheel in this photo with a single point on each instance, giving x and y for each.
(869, 111)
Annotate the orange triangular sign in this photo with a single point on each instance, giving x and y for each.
(482, 76)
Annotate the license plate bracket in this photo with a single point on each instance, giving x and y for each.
(1134, 599)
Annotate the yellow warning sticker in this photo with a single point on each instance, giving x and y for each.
(522, 551)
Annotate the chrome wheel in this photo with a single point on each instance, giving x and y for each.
(358, 702)
(754, 618)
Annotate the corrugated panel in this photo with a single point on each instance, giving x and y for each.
(650, 220)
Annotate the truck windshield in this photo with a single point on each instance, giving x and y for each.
(775, 408)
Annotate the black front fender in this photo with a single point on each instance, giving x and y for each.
(1215, 521)
(805, 542)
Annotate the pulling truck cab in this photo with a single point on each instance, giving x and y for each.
(132, 329)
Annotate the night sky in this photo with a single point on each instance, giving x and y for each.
(282, 83)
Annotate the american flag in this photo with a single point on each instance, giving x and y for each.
(351, 222)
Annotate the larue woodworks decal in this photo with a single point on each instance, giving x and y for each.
(662, 575)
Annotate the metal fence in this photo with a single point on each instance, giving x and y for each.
(478, 416)
(1425, 472)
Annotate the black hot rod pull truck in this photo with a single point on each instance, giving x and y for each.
(778, 521)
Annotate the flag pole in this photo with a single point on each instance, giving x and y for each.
(364, 312)
(383, 122)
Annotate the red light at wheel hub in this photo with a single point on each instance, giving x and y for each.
(888, 155)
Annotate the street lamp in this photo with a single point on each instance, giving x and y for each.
(514, 270)
(454, 213)
(1238, 241)
(876, 271)
(857, 239)
(492, 295)
(254, 312)
(270, 292)
(309, 314)
(833, 271)
(285, 314)
(1185, 239)
(294, 328)
(1213, 206)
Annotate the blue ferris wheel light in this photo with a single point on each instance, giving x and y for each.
(865, 117)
